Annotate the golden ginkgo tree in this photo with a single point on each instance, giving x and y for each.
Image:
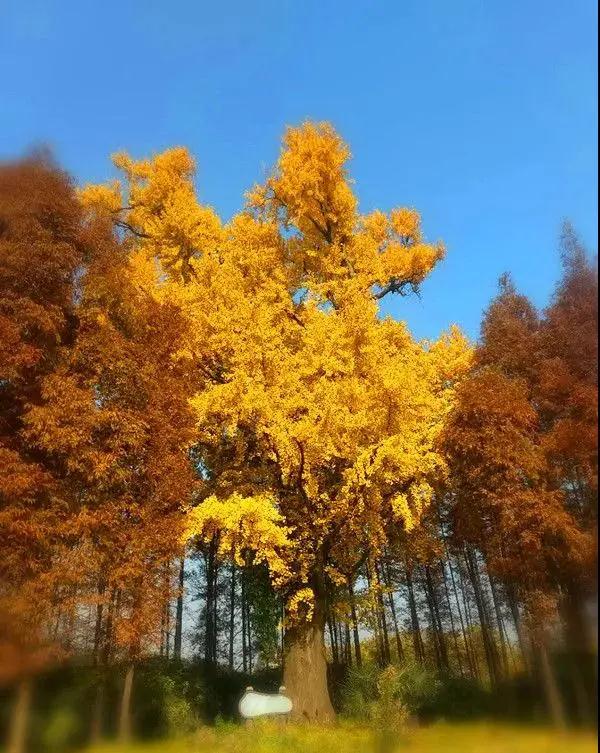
(317, 419)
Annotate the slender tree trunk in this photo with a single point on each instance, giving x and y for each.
(19, 720)
(305, 667)
(209, 612)
(125, 711)
(177, 641)
(375, 617)
(468, 649)
(98, 707)
(388, 583)
(387, 654)
(454, 631)
(98, 624)
(433, 625)
(468, 621)
(551, 690)
(231, 615)
(244, 626)
(488, 642)
(97, 712)
(347, 643)
(516, 616)
(332, 639)
(501, 631)
(414, 618)
(249, 636)
(354, 624)
(437, 622)
(167, 629)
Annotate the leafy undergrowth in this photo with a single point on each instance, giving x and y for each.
(438, 738)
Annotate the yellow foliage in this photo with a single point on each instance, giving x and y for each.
(317, 418)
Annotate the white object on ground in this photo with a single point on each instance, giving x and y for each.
(253, 704)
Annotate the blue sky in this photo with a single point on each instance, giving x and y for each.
(481, 114)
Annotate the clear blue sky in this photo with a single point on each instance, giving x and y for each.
(482, 114)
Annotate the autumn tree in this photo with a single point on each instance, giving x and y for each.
(42, 246)
(502, 503)
(568, 406)
(114, 422)
(316, 418)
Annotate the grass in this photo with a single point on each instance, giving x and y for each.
(344, 738)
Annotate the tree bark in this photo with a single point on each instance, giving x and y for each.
(551, 690)
(385, 639)
(354, 624)
(414, 618)
(231, 616)
(97, 713)
(305, 668)
(484, 622)
(125, 711)
(17, 734)
(438, 630)
(177, 641)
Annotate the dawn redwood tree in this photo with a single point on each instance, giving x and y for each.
(502, 503)
(42, 246)
(114, 423)
(316, 418)
(567, 395)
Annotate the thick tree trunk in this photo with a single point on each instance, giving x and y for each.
(17, 733)
(305, 669)
(125, 711)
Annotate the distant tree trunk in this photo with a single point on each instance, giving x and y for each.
(125, 711)
(209, 621)
(332, 639)
(177, 641)
(244, 627)
(98, 707)
(551, 690)
(468, 621)
(167, 628)
(388, 583)
(501, 631)
(355, 632)
(305, 666)
(516, 616)
(249, 635)
(375, 617)
(387, 654)
(488, 642)
(438, 630)
(347, 644)
(97, 712)
(454, 635)
(468, 648)
(17, 733)
(414, 618)
(231, 615)
(98, 624)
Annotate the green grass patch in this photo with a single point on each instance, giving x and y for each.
(268, 737)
